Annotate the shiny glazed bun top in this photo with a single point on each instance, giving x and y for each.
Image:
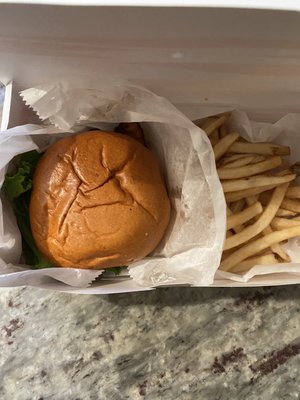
(98, 201)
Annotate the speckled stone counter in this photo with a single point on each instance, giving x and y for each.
(179, 343)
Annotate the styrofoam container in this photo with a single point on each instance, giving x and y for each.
(196, 56)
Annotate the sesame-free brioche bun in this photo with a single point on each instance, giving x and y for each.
(98, 201)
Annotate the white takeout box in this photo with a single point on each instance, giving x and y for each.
(247, 58)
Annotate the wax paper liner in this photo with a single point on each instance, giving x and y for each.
(190, 253)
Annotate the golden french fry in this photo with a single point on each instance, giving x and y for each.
(228, 159)
(223, 131)
(241, 162)
(234, 157)
(285, 164)
(258, 158)
(251, 262)
(223, 145)
(276, 248)
(204, 122)
(286, 213)
(287, 171)
(260, 148)
(293, 192)
(262, 222)
(264, 252)
(226, 253)
(236, 207)
(258, 245)
(291, 205)
(238, 228)
(244, 216)
(295, 168)
(282, 223)
(250, 200)
(214, 137)
(242, 194)
(215, 124)
(249, 170)
(255, 182)
(229, 233)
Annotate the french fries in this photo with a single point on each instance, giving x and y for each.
(255, 182)
(223, 131)
(224, 144)
(259, 245)
(244, 160)
(241, 194)
(227, 159)
(203, 124)
(282, 223)
(265, 219)
(209, 128)
(214, 137)
(262, 210)
(251, 262)
(235, 208)
(268, 149)
(286, 213)
(291, 205)
(276, 248)
(244, 216)
(293, 192)
(229, 233)
(249, 170)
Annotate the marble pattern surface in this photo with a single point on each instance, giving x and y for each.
(179, 343)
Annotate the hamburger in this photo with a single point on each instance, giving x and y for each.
(98, 200)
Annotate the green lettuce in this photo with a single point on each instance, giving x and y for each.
(17, 188)
(116, 270)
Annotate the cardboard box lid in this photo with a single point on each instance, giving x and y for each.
(189, 55)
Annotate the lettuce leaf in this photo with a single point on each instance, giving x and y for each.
(116, 270)
(17, 188)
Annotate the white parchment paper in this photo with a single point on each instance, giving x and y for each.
(191, 250)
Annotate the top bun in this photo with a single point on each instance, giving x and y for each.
(98, 201)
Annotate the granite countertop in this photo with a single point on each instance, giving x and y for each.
(179, 343)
